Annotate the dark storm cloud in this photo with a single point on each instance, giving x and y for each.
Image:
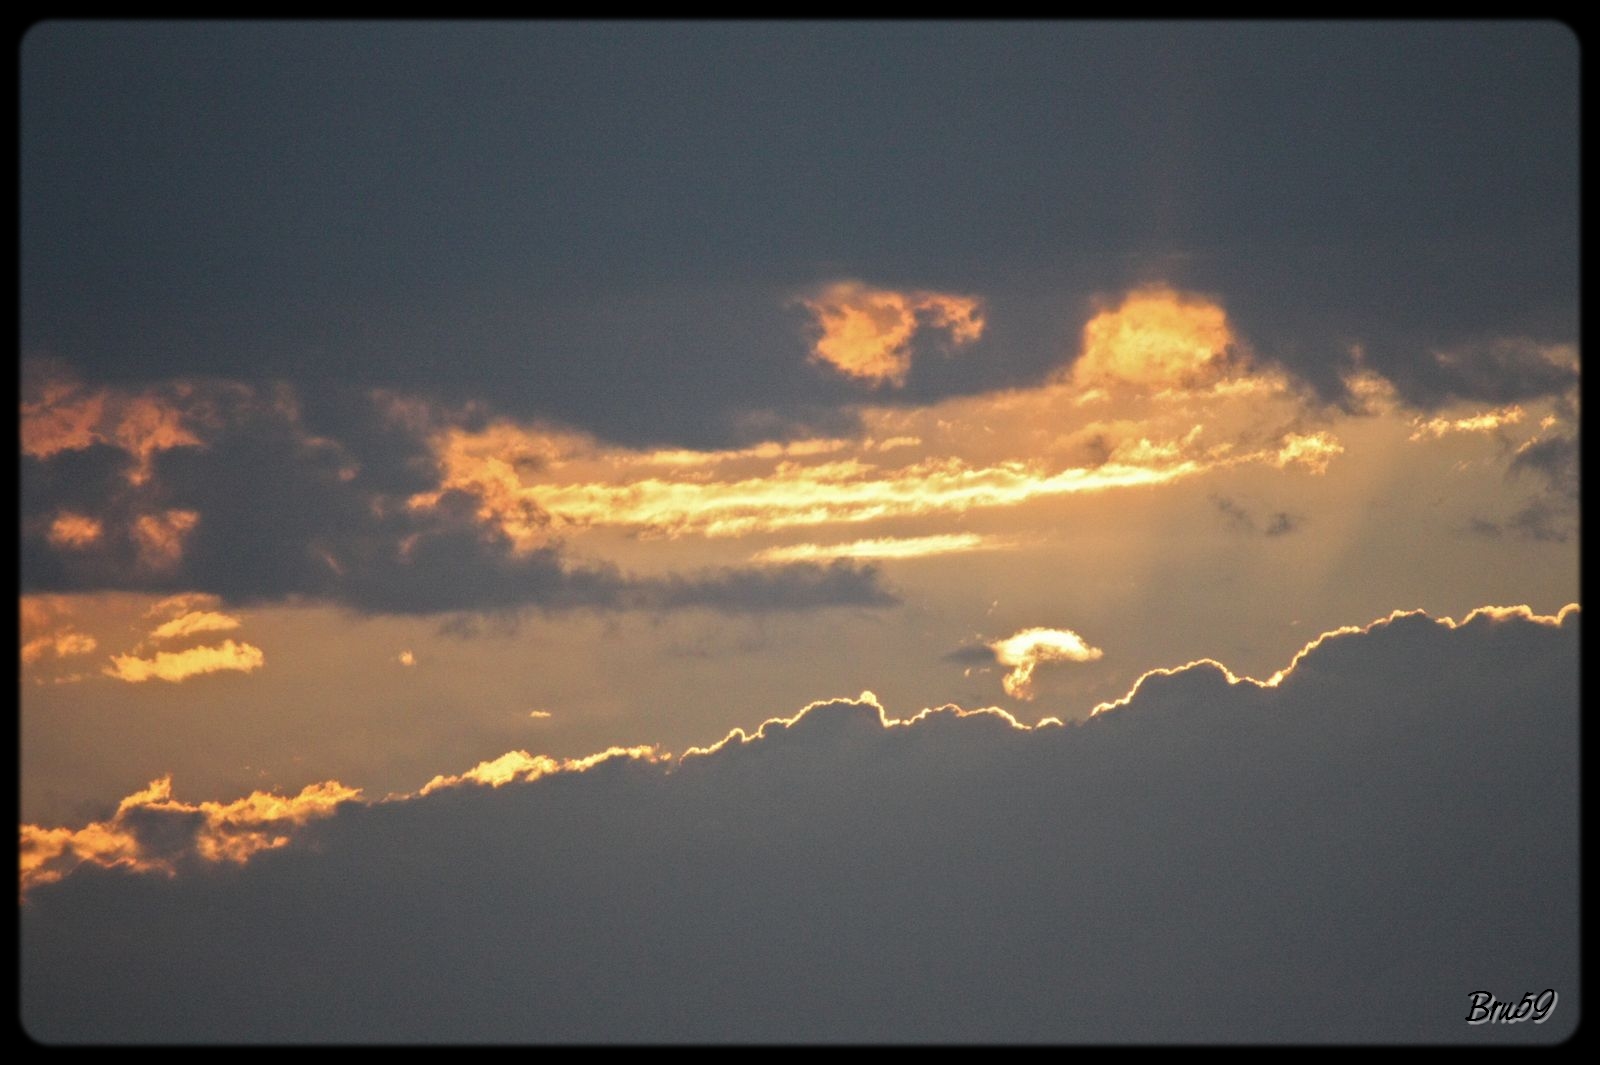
(276, 512)
(607, 224)
(1344, 857)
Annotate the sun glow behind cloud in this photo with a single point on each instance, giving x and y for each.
(1025, 651)
(1161, 391)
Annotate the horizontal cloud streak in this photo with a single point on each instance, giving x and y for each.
(175, 666)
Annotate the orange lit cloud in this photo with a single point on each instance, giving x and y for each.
(1157, 338)
(1027, 650)
(74, 530)
(406, 658)
(1483, 422)
(160, 537)
(1162, 391)
(45, 627)
(216, 832)
(520, 765)
(63, 416)
(62, 643)
(192, 622)
(867, 332)
(175, 666)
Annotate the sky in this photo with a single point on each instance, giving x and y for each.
(811, 532)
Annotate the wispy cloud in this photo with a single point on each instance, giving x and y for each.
(884, 548)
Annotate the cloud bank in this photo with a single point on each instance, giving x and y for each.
(1344, 852)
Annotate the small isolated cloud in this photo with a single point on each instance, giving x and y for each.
(176, 666)
(1027, 650)
(406, 658)
(868, 333)
(540, 715)
(1238, 519)
(160, 537)
(74, 531)
(1281, 524)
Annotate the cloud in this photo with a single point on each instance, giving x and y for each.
(71, 530)
(268, 509)
(525, 767)
(406, 658)
(46, 628)
(1212, 860)
(153, 832)
(61, 414)
(1027, 650)
(192, 622)
(1281, 523)
(868, 332)
(160, 537)
(176, 666)
(1484, 422)
(1156, 339)
(1553, 458)
(883, 547)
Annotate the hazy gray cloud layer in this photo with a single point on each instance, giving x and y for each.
(608, 225)
(1346, 856)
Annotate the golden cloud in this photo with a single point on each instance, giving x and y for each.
(1162, 391)
(175, 666)
(883, 547)
(1482, 422)
(230, 832)
(1027, 650)
(192, 622)
(520, 765)
(1157, 338)
(867, 332)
